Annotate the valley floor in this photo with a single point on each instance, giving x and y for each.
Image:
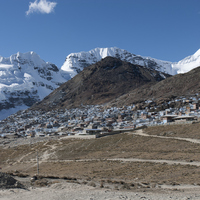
(154, 163)
(60, 191)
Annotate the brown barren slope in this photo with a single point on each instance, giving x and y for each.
(92, 159)
(176, 86)
(100, 83)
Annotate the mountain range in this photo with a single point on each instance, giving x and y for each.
(26, 79)
(76, 62)
(100, 83)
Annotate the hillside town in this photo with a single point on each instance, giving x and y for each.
(96, 120)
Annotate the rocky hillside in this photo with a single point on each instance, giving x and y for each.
(180, 85)
(101, 83)
(119, 83)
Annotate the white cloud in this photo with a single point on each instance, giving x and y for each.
(42, 6)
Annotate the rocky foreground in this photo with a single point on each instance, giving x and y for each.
(7, 182)
(72, 191)
(153, 163)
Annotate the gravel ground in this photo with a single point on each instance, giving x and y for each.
(60, 191)
(8, 143)
(123, 147)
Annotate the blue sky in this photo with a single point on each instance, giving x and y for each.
(163, 29)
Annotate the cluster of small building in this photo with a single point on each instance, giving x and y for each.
(93, 120)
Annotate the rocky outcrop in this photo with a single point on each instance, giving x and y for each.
(7, 182)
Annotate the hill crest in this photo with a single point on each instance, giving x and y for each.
(100, 83)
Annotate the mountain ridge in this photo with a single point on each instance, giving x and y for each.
(26, 79)
(163, 92)
(100, 83)
(76, 62)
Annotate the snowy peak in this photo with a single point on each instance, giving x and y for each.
(187, 63)
(194, 57)
(25, 79)
(100, 53)
(76, 62)
(29, 63)
(29, 60)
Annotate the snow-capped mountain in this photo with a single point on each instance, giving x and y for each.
(75, 62)
(24, 80)
(187, 63)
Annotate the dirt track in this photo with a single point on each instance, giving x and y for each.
(157, 157)
(141, 133)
